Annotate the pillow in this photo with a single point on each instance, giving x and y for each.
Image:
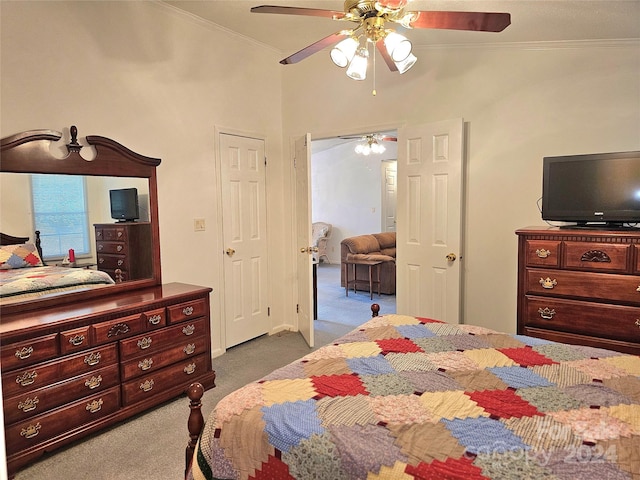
(19, 256)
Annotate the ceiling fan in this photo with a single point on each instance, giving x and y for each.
(371, 142)
(372, 19)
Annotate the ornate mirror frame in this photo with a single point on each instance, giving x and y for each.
(30, 152)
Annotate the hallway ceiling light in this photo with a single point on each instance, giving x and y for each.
(371, 144)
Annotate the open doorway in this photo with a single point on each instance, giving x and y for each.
(350, 192)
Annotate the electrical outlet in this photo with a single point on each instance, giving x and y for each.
(198, 224)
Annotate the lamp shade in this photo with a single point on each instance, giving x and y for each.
(406, 64)
(358, 66)
(343, 52)
(398, 46)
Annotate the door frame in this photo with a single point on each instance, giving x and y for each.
(218, 246)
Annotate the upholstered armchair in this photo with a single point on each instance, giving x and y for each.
(320, 233)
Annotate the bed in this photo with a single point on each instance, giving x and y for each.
(406, 397)
(23, 274)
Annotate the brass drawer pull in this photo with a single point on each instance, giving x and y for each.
(189, 369)
(28, 404)
(100, 247)
(93, 382)
(546, 313)
(144, 343)
(155, 319)
(95, 406)
(145, 364)
(76, 340)
(27, 378)
(548, 283)
(189, 349)
(31, 431)
(188, 330)
(24, 353)
(147, 386)
(638, 322)
(93, 359)
(120, 262)
(187, 311)
(119, 248)
(542, 253)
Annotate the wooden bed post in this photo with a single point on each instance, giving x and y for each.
(375, 309)
(195, 422)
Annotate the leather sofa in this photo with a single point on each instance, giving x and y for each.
(375, 246)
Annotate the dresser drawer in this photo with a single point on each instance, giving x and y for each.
(20, 354)
(32, 403)
(151, 362)
(119, 248)
(119, 328)
(111, 262)
(31, 432)
(588, 318)
(155, 341)
(184, 311)
(75, 340)
(542, 253)
(155, 318)
(603, 257)
(609, 287)
(44, 374)
(147, 386)
(111, 233)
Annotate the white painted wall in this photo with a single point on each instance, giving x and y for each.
(159, 83)
(346, 192)
(519, 102)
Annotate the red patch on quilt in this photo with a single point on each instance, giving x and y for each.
(450, 469)
(397, 345)
(273, 469)
(428, 320)
(503, 403)
(344, 385)
(526, 357)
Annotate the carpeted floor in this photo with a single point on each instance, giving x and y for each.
(151, 445)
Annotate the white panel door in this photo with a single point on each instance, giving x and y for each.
(389, 194)
(244, 214)
(302, 157)
(429, 237)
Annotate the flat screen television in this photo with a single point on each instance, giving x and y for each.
(124, 204)
(592, 191)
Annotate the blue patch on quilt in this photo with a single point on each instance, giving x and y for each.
(287, 424)
(370, 365)
(484, 435)
(520, 377)
(414, 331)
(531, 341)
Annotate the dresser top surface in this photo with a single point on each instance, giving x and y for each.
(109, 304)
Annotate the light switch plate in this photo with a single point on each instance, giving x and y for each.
(198, 224)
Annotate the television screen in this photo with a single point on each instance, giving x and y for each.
(124, 204)
(592, 190)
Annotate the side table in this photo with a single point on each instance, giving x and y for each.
(354, 280)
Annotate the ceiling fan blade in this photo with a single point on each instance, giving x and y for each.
(385, 55)
(389, 139)
(314, 47)
(312, 12)
(478, 21)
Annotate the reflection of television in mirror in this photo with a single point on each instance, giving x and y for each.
(124, 204)
(594, 191)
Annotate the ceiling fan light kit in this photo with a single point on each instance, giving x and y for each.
(371, 18)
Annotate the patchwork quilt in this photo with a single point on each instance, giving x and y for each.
(48, 278)
(411, 398)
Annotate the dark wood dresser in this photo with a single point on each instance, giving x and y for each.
(124, 246)
(580, 286)
(68, 371)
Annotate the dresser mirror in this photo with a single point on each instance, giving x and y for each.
(104, 165)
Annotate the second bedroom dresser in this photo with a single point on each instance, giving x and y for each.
(124, 247)
(580, 286)
(73, 370)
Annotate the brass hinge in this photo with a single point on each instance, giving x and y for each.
(265, 160)
(297, 308)
(268, 311)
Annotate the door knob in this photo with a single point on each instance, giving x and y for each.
(451, 257)
(230, 252)
(308, 249)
